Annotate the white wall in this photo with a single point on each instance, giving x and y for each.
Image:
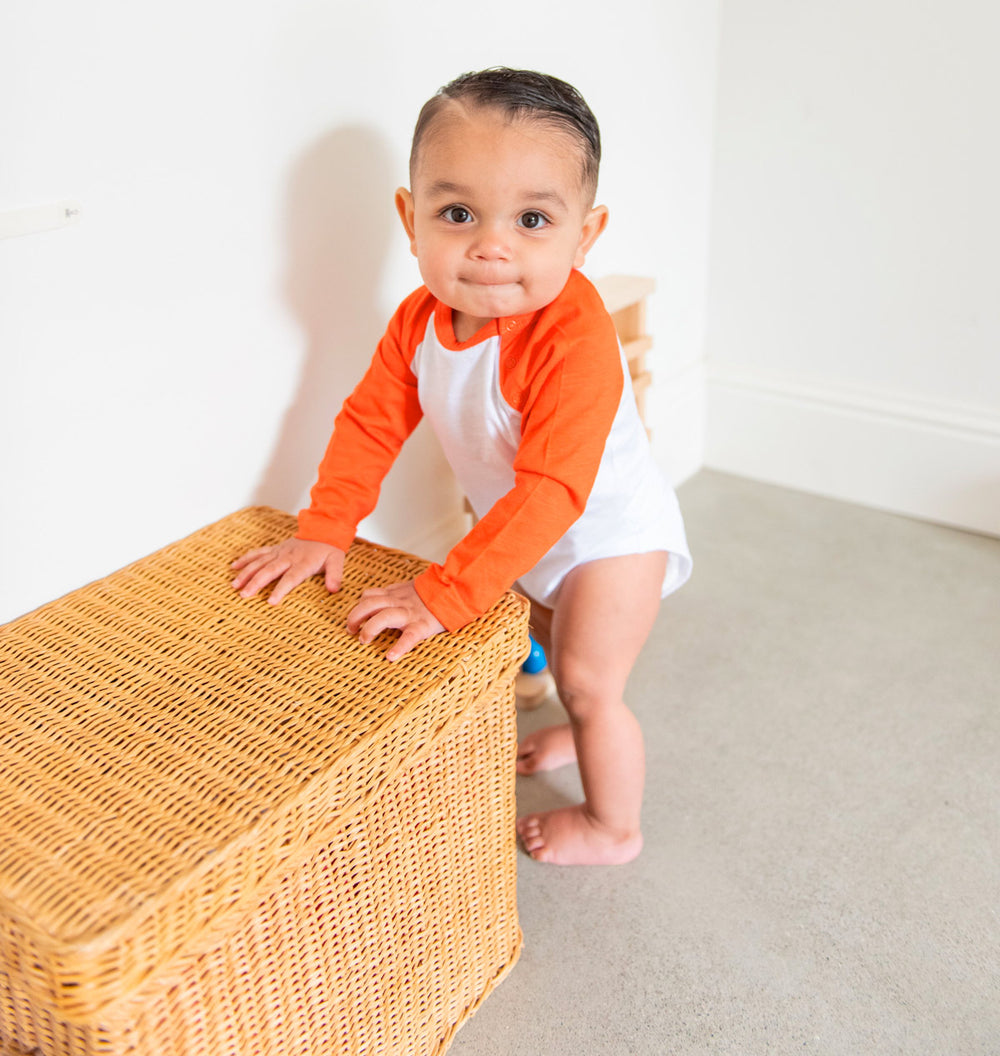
(854, 317)
(181, 351)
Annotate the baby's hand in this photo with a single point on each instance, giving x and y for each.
(290, 563)
(398, 606)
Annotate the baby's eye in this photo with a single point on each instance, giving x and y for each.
(456, 214)
(533, 221)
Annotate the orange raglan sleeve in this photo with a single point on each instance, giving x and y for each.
(374, 422)
(567, 381)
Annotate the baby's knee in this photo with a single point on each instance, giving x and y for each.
(585, 688)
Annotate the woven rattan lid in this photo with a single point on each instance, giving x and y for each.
(167, 749)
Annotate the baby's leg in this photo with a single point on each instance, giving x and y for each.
(603, 616)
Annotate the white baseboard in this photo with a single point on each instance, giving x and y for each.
(935, 461)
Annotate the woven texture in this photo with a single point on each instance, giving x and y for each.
(229, 827)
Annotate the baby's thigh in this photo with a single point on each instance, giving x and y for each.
(602, 618)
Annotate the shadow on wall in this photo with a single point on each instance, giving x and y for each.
(338, 222)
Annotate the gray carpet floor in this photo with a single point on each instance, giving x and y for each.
(822, 819)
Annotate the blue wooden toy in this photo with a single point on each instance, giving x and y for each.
(536, 661)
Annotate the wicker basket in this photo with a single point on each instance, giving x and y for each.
(230, 828)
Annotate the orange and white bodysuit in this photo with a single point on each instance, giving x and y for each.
(536, 419)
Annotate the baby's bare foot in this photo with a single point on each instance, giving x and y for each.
(546, 749)
(570, 836)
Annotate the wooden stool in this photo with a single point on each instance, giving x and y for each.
(624, 297)
(231, 829)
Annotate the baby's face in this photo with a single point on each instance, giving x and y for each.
(498, 215)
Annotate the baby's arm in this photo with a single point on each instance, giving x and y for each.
(290, 563)
(372, 425)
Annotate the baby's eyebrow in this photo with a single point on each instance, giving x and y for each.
(446, 187)
(545, 196)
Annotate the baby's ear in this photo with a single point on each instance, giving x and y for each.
(404, 206)
(593, 225)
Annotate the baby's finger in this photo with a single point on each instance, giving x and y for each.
(250, 569)
(371, 601)
(267, 574)
(290, 579)
(250, 555)
(333, 570)
(389, 618)
(407, 640)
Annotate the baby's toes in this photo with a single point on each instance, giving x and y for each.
(530, 830)
(527, 756)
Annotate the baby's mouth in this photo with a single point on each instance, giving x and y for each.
(489, 283)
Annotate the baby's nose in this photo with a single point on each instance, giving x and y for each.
(491, 243)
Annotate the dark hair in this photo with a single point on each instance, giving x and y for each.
(520, 94)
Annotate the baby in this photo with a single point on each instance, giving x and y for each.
(511, 355)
